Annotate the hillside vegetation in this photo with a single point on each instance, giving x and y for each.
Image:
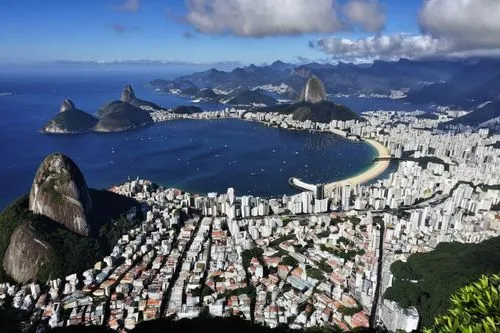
(71, 252)
(440, 273)
(322, 112)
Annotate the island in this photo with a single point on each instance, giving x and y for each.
(70, 120)
(125, 114)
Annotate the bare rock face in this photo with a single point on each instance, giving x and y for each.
(59, 192)
(66, 105)
(127, 94)
(314, 91)
(25, 254)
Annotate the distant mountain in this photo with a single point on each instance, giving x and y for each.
(167, 85)
(380, 77)
(251, 97)
(314, 106)
(239, 78)
(477, 117)
(281, 66)
(70, 120)
(207, 94)
(488, 91)
(474, 84)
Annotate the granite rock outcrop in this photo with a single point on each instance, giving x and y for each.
(59, 191)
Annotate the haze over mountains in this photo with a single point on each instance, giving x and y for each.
(379, 77)
(461, 84)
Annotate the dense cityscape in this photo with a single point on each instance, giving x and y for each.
(305, 260)
(264, 166)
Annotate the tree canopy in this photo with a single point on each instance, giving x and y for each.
(475, 308)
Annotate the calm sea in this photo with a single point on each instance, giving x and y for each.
(199, 156)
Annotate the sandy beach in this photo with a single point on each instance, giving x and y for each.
(376, 170)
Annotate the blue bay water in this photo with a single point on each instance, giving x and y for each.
(200, 156)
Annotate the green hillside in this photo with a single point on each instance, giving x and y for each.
(71, 252)
(322, 112)
(440, 273)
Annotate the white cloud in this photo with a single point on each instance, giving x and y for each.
(129, 6)
(381, 47)
(451, 28)
(468, 24)
(368, 14)
(259, 18)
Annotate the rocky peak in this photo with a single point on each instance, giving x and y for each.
(127, 94)
(301, 72)
(59, 191)
(25, 254)
(314, 91)
(66, 105)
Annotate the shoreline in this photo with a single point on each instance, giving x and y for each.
(365, 176)
(373, 172)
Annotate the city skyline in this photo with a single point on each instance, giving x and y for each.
(163, 170)
(207, 31)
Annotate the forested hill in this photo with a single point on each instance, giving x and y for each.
(440, 273)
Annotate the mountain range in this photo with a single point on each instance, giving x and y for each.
(380, 77)
(461, 84)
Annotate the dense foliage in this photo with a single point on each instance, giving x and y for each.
(75, 120)
(70, 252)
(475, 308)
(289, 261)
(75, 253)
(250, 97)
(428, 280)
(10, 218)
(322, 112)
(186, 109)
(314, 273)
(247, 256)
(119, 115)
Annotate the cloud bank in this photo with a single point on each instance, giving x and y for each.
(380, 47)
(260, 18)
(467, 24)
(450, 28)
(369, 15)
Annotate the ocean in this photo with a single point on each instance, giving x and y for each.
(199, 156)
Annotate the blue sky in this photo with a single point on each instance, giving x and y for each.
(94, 30)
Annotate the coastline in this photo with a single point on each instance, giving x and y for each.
(373, 172)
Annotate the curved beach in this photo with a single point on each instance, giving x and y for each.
(376, 170)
